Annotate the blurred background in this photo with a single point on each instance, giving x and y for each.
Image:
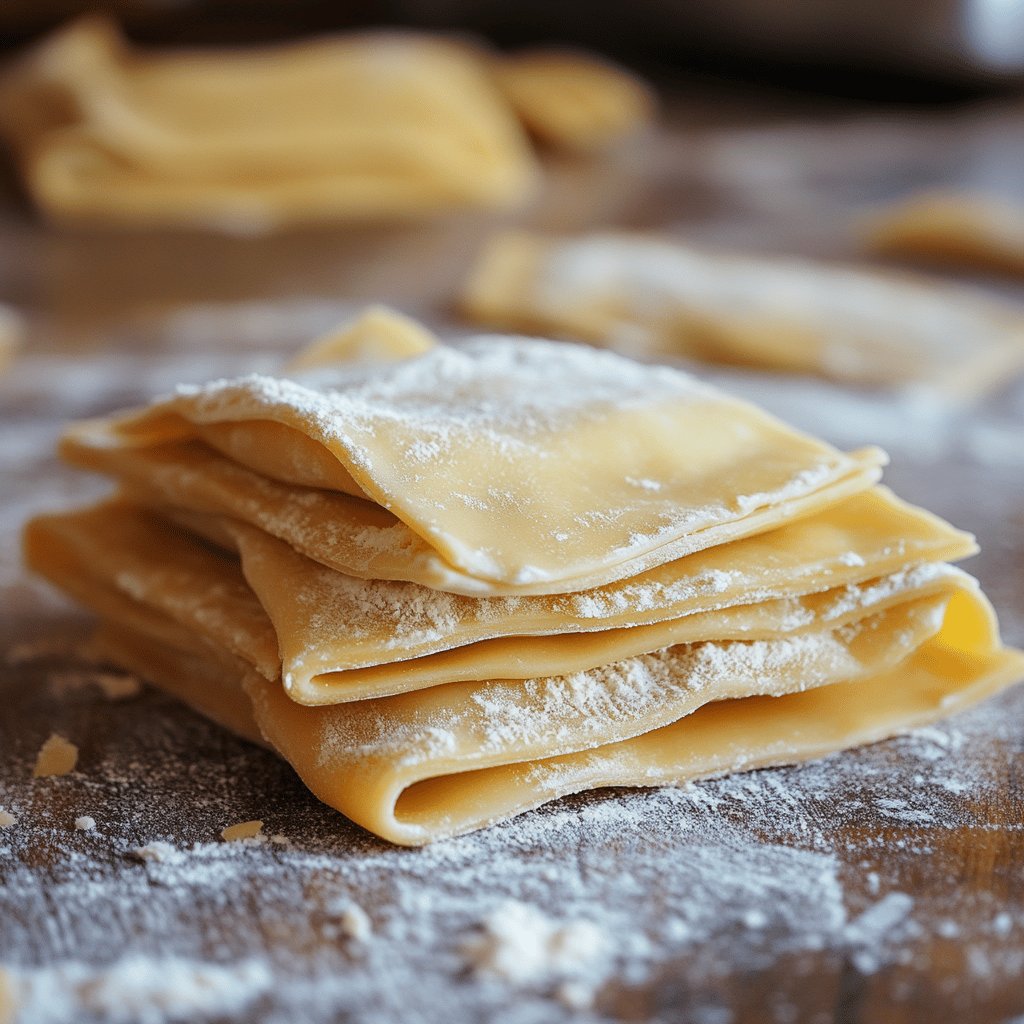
(780, 123)
(868, 47)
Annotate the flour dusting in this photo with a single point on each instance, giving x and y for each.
(135, 990)
(520, 944)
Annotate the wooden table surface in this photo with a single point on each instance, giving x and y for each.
(886, 884)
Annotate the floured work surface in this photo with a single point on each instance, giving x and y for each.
(836, 888)
(876, 884)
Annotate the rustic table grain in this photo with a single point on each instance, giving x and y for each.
(886, 884)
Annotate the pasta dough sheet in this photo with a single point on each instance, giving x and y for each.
(573, 101)
(384, 124)
(644, 295)
(419, 767)
(504, 466)
(343, 639)
(960, 229)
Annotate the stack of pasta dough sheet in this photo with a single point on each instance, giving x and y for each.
(645, 295)
(449, 584)
(367, 125)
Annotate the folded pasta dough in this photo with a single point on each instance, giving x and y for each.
(645, 295)
(342, 639)
(383, 124)
(950, 227)
(372, 125)
(418, 767)
(504, 466)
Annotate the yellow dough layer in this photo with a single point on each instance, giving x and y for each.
(948, 227)
(115, 557)
(504, 466)
(362, 539)
(343, 639)
(648, 296)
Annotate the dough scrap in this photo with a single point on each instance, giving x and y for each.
(159, 852)
(814, 614)
(648, 296)
(243, 830)
(377, 335)
(951, 227)
(57, 756)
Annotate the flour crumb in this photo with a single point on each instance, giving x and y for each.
(755, 919)
(575, 995)
(348, 919)
(243, 830)
(355, 923)
(521, 945)
(85, 823)
(1002, 924)
(7, 819)
(280, 839)
(158, 851)
(57, 756)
